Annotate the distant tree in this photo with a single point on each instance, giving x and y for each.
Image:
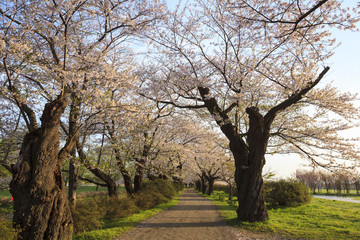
(310, 178)
(327, 179)
(356, 181)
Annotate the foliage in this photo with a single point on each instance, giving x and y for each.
(86, 215)
(6, 229)
(115, 207)
(154, 193)
(160, 186)
(178, 186)
(4, 183)
(224, 188)
(286, 193)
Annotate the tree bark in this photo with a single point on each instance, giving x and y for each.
(73, 129)
(41, 207)
(128, 184)
(203, 184)
(248, 173)
(139, 175)
(211, 185)
(72, 181)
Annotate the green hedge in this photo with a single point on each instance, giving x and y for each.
(286, 193)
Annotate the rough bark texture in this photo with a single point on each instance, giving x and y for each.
(139, 175)
(41, 208)
(248, 173)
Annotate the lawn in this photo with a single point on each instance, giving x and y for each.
(320, 219)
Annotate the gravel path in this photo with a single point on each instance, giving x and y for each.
(193, 218)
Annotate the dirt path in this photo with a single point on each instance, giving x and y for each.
(193, 218)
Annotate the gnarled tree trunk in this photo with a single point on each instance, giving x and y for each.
(41, 207)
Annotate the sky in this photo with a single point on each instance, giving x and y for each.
(344, 74)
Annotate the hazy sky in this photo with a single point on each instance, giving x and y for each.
(344, 74)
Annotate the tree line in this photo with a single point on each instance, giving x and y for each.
(341, 181)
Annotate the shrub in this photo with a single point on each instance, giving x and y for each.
(147, 199)
(115, 207)
(163, 187)
(6, 229)
(86, 215)
(156, 192)
(178, 186)
(225, 189)
(286, 193)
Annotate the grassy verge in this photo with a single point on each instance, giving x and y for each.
(117, 227)
(5, 194)
(320, 219)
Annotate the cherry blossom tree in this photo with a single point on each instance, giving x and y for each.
(255, 67)
(134, 139)
(50, 50)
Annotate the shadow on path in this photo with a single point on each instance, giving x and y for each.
(193, 218)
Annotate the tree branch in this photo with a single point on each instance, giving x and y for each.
(174, 104)
(294, 98)
(30, 120)
(92, 181)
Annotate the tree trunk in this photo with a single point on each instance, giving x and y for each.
(249, 161)
(41, 208)
(139, 175)
(230, 194)
(109, 181)
(128, 184)
(198, 185)
(211, 185)
(251, 195)
(73, 128)
(112, 189)
(72, 182)
(203, 185)
(250, 185)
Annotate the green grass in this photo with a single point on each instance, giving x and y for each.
(320, 219)
(115, 228)
(5, 194)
